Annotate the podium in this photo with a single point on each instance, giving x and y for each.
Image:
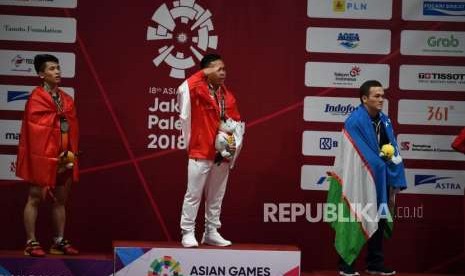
(15, 263)
(168, 258)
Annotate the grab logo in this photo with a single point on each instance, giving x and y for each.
(185, 32)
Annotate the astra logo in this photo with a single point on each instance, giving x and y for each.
(348, 40)
(405, 145)
(321, 180)
(443, 8)
(343, 5)
(17, 96)
(443, 41)
(339, 109)
(327, 143)
(421, 179)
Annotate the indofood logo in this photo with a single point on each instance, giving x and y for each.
(186, 30)
(165, 266)
(348, 40)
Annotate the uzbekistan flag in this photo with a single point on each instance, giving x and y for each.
(360, 183)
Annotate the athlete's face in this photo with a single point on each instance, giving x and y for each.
(374, 101)
(51, 73)
(218, 76)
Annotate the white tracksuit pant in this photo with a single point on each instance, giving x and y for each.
(204, 176)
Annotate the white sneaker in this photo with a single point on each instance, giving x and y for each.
(188, 240)
(214, 238)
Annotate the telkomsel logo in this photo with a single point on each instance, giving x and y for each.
(442, 8)
(439, 182)
(165, 266)
(17, 95)
(186, 30)
(348, 40)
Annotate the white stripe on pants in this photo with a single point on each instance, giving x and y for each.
(204, 175)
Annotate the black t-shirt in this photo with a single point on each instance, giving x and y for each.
(380, 131)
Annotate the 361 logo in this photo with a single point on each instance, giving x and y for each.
(165, 266)
(185, 29)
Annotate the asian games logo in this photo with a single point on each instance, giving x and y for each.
(185, 30)
(165, 266)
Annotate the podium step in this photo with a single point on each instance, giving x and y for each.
(15, 263)
(160, 258)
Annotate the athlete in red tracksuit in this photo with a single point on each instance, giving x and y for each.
(203, 101)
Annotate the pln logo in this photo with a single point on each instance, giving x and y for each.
(440, 182)
(186, 33)
(343, 5)
(348, 40)
(328, 143)
(165, 266)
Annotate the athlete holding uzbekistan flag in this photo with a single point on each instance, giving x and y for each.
(364, 182)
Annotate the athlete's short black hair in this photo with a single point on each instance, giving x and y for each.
(365, 88)
(40, 60)
(207, 59)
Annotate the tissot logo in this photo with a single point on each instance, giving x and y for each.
(186, 31)
(348, 40)
(441, 76)
(17, 95)
(443, 8)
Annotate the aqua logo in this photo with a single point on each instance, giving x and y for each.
(348, 40)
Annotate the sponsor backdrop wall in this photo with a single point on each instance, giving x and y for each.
(295, 67)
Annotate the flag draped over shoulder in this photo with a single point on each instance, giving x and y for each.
(360, 182)
(185, 116)
(40, 140)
